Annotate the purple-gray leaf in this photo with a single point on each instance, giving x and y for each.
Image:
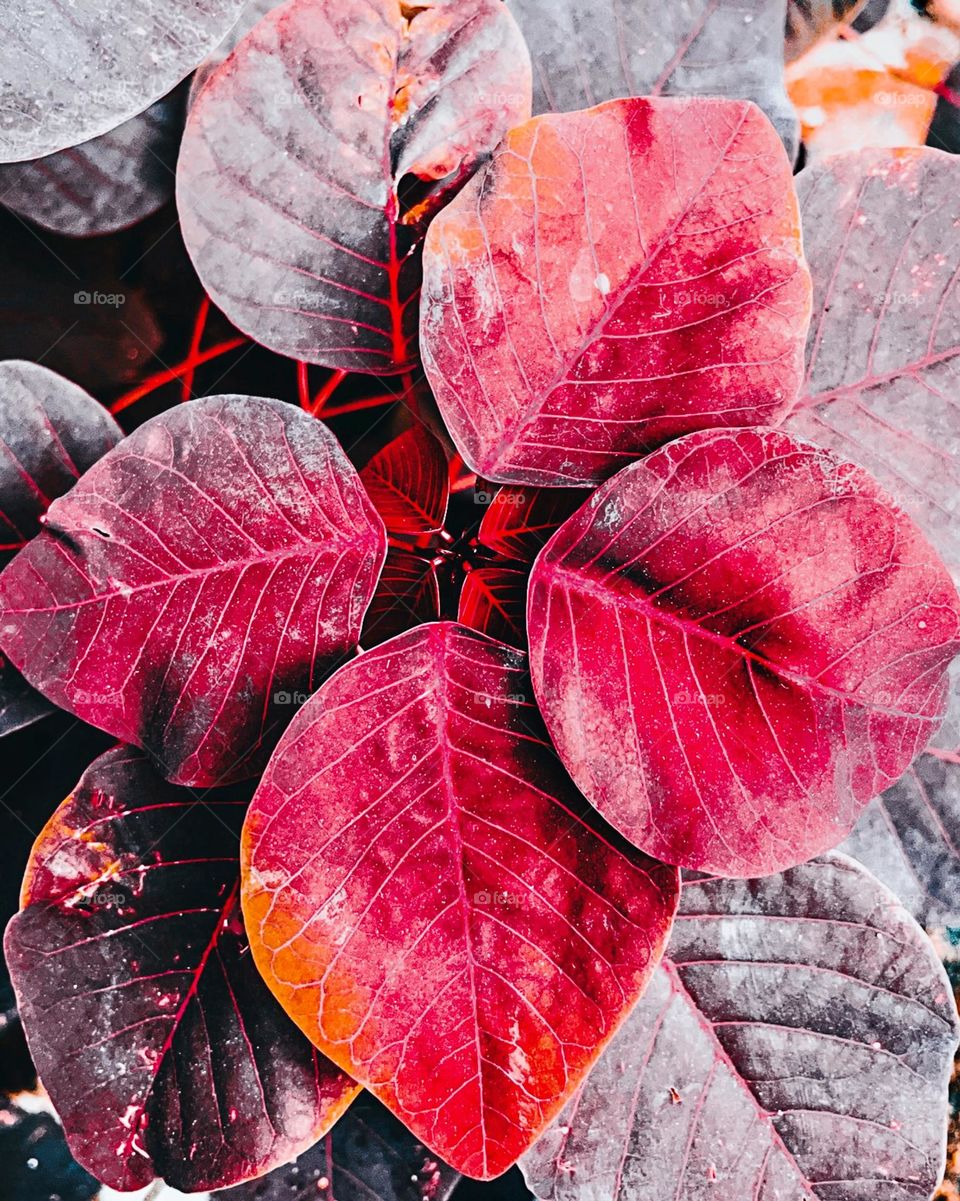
(795, 1045)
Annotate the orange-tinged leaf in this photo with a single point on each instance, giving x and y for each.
(468, 932)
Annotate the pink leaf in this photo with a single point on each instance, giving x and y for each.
(883, 357)
(216, 561)
(796, 1043)
(736, 644)
(160, 1046)
(289, 180)
(408, 482)
(433, 902)
(612, 279)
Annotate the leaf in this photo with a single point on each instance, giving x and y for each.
(252, 12)
(68, 80)
(585, 55)
(883, 358)
(796, 1043)
(419, 871)
(289, 181)
(408, 482)
(408, 594)
(520, 521)
(493, 600)
(585, 299)
(51, 431)
(105, 184)
(20, 705)
(160, 1046)
(909, 837)
(216, 561)
(736, 644)
(809, 21)
(368, 1156)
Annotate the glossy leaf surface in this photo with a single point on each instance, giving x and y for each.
(520, 521)
(160, 1046)
(289, 181)
(66, 81)
(105, 184)
(584, 55)
(408, 482)
(367, 1155)
(419, 873)
(883, 357)
(736, 644)
(795, 1045)
(408, 594)
(218, 560)
(610, 280)
(493, 600)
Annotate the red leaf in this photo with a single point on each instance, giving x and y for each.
(520, 521)
(105, 184)
(160, 1046)
(583, 54)
(289, 179)
(368, 1156)
(614, 278)
(51, 431)
(68, 79)
(883, 356)
(408, 594)
(493, 601)
(420, 874)
(219, 559)
(736, 644)
(408, 483)
(795, 1043)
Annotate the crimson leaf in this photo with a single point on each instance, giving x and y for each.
(408, 482)
(74, 71)
(520, 521)
(796, 1043)
(493, 600)
(216, 561)
(612, 279)
(736, 644)
(289, 180)
(420, 873)
(160, 1046)
(408, 594)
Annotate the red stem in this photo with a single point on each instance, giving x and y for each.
(199, 327)
(159, 378)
